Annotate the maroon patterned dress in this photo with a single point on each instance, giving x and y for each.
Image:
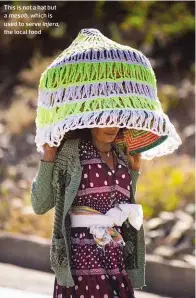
(98, 273)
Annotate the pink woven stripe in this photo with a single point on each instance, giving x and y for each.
(90, 161)
(95, 190)
(123, 191)
(98, 271)
(92, 190)
(96, 161)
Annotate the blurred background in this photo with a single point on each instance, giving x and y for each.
(165, 32)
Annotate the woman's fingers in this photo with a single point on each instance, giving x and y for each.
(135, 160)
(49, 152)
(47, 148)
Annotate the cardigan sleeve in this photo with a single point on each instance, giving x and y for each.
(135, 176)
(42, 191)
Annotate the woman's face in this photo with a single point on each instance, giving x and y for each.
(105, 135)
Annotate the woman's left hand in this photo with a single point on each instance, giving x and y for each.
(135, 160)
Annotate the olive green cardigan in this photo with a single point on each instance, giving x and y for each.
(56, 185)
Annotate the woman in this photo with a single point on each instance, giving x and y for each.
(97, 266)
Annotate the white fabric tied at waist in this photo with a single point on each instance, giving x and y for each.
(99, 224)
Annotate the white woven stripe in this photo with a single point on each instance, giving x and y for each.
(136, 119)
(49, 99)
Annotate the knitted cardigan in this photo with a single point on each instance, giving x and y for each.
(56, 185)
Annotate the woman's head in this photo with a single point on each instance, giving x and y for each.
(104, 135)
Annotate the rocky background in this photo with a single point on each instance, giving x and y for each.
(171, 236)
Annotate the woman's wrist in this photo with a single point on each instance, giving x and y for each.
(133, 168)
(49, 153)
(134, 161)
(48, 157)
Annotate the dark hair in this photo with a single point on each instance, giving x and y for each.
(84, 134)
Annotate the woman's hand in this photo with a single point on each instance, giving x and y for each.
(49, 153)
(135, 160)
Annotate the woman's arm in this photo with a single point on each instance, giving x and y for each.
(135, 176)
(134, 161)
(135, 164)
(42, 191)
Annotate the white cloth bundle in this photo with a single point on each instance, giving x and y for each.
(98, 223)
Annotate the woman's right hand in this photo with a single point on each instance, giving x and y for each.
(49, 153)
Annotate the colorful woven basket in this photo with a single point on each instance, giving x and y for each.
(97, 82)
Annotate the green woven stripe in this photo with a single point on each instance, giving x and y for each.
(49, 116)
(138, 133)
(88, 72)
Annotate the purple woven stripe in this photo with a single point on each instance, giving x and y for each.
(108, 89)
(98, 90)
(112, 55)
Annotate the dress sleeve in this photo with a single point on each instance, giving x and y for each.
(42, 190)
